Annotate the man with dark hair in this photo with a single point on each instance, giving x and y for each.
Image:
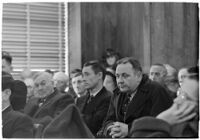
(15, 123)
(78, 83)
(135, 97)
(94, 105)
(6, 62)
(157, 73)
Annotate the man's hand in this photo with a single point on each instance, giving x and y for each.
(118, 130)
(178, 113)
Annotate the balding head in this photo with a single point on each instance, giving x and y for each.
(43, 84)
(158, 73)
(61, 81)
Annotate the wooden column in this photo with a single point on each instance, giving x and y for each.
(147, 42)
(74, 35)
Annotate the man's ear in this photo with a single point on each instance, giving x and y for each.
(7, 93)
(100, 74)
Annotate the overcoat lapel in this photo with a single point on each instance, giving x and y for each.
(91, 107)
(138, 100)
(83, 102)
(45, 104)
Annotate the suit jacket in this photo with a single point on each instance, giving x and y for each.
(16, 124)
(53, 106)
(95, 111)
(68, 124)
(150, 99)
(150, 127)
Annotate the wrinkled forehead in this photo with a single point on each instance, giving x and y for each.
(43, 77)
(156, 68)
(124, 68)
(60, 77)
(77, 78)
(87, 69)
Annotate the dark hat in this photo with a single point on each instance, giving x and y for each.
(68, 124)
(110, 52)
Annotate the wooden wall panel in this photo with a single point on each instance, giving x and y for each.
(168, 31)
(174, 34)
(112, 25)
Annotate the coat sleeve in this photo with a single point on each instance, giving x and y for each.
(160, 100)
(24, 128)
(110, 118)
(149, 127)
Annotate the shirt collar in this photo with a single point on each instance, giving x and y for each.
(94, 94)
(5, 108)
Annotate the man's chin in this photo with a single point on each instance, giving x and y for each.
(123, 90)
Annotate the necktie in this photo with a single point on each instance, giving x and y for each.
(125, 103)
(90, 99)
(41, 101)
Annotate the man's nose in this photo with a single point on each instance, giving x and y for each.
(39, 87)
(55, 82)
(153, 77)
(120, 79)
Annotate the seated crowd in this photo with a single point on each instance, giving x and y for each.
(112, 98)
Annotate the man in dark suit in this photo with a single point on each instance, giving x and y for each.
(94, 105)
(15, 123)
(137, 96)
(48, 103)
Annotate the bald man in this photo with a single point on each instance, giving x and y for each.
(158, 73)
(61, 81)
(48, 103)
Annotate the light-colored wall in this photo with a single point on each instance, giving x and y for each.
(74, 35)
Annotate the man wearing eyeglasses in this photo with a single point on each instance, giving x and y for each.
(180, 120)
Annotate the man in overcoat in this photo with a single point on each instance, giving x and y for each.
(48, 103)
(135, 97)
